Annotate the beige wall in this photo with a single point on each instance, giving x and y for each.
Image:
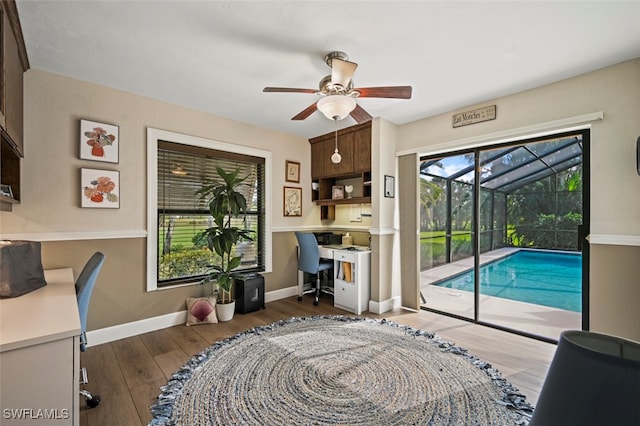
(615, 290)
(54, 106)
(615, 184)
(50, 208)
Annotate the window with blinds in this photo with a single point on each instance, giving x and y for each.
(182, 213)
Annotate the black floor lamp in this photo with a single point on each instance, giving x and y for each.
(594, 379)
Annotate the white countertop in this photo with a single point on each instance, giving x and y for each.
(346, 247)
(46, 314)
(326, 251)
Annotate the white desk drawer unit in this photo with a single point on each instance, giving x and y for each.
(351, 280)
(350, 293)
(344, 256)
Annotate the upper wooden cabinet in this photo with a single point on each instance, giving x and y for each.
(14, 63)
(319, 160)
(354, 145)
(362, 148)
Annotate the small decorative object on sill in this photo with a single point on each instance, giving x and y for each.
(348, 189)
(337, 192)
(6, 191)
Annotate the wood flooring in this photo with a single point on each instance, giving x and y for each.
(128, 373)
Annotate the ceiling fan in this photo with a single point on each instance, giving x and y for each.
(338, 93)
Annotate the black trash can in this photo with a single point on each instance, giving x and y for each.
(249, 293)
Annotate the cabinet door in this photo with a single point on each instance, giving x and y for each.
(13, 83)
(362, 149)
(318, 160)
(345, 148)
(2, 24)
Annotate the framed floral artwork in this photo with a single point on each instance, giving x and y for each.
(293, 171)
(100, 188)
(99, 141)
(292, 201)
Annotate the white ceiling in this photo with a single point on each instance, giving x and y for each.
(217, 56)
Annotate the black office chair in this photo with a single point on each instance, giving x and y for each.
(309, 261)
(84, 287)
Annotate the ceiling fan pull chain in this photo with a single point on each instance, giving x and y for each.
(336, 157)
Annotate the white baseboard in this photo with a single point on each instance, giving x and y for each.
(147, 325)
(122, 331)
(283, 293)
(384, 306)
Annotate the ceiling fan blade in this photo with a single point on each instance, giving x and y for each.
(400, 92)
(342, 71)
(360, 115)
(288, 90)
(306, 112)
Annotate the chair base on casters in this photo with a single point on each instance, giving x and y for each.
(92, 400)
(318, 289)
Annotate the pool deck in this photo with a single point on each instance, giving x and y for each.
(528, 317)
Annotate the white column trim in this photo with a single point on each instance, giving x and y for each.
(614, 240)
(76, 235)
(384, 306)
(383, 231)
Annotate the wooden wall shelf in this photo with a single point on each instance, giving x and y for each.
(353, 200)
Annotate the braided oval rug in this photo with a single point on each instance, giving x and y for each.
(335, 370)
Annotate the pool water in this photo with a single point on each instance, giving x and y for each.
(542, 278)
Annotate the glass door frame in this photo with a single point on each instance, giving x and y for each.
(583, 231)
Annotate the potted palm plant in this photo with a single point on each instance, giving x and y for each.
(225, 203)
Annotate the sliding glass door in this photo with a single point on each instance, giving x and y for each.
(446, 231)
(501, 232)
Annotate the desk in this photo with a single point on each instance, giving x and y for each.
(350, 293)
(40, 354)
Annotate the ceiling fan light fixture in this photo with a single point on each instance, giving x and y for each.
(178, 170)
(336, 107)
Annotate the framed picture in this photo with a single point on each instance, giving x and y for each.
(6, 191)
(99, 141)
(292, 201)
(293, 171)
(337, 192)
(100, 188)
(389, 186)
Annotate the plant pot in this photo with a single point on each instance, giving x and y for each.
(225, 311)
(97, 151)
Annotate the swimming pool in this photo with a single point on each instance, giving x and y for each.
(543, 278)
